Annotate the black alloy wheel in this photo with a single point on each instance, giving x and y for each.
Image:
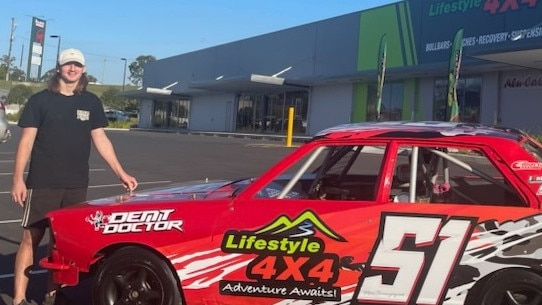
(510, 287)
(135, 276)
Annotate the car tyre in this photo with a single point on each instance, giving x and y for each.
(135, 276)
(509, 287)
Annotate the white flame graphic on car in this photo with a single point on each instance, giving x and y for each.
(492, 246)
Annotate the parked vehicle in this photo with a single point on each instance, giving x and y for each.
(116, 115)
(368, 213)
(5, 133)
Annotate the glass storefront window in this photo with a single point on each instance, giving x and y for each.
(392, 102)
(468, 98)
(171, 114)
(269, 113)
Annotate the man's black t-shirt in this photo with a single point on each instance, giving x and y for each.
(62, 146)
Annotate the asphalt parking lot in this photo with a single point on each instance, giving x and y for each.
(155, 159)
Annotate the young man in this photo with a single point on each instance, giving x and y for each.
(59, 124)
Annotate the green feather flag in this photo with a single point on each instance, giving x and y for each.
(452, 109)
(381, 74)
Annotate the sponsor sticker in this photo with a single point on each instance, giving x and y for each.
(290, 262)
(526, 165)
(135, 221)
(535, 179)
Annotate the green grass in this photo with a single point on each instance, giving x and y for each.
(112, 124)
(96, 89)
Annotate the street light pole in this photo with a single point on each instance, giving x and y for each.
(124, 77)
(57, 47)
(10, 45)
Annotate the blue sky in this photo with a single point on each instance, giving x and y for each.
(107, 31)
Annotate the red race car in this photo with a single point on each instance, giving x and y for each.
(371, 213)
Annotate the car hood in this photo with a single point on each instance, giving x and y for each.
(194, 190)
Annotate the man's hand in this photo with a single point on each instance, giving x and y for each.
(19, 192)
(129, 182)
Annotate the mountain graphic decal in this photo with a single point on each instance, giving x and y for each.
(305, 224)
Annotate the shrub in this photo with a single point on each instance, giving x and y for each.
(123, 124)
(19, 94)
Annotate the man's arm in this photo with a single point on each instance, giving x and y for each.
(18, 189)
(106, 150)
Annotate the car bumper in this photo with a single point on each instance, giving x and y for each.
(62, 272)
(4, 135)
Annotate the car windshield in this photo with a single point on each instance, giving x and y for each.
(345, 165)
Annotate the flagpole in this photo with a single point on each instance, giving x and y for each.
(452, 107)
(381, 74)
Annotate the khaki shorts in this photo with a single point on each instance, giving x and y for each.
(39, 202)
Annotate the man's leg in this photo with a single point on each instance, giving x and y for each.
(51, 286)
(24, 260)
(69, 197)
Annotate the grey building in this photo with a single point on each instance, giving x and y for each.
(328, 71)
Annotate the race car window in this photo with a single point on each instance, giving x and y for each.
(450, 175)
(534, 149)
(345, 172)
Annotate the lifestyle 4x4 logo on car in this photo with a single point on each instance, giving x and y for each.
(135, 221)
(291, 260)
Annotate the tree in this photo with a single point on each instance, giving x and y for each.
(91, 78)
(136, 68)
(19, 94)
(14, 72)
(111, 99)
(17, 74)
(4, 64)
(47, 76)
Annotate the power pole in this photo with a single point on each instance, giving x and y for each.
(21, 60)
(103, 72)
(10, 45)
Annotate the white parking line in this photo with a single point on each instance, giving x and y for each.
(116, 184)
(2, 222)
(92, 170)
(119, 184)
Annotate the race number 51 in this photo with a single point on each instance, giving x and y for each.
(413, 259)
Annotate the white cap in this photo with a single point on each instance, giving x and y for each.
(71, 55)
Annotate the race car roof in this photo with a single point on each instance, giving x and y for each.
(423, 129)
